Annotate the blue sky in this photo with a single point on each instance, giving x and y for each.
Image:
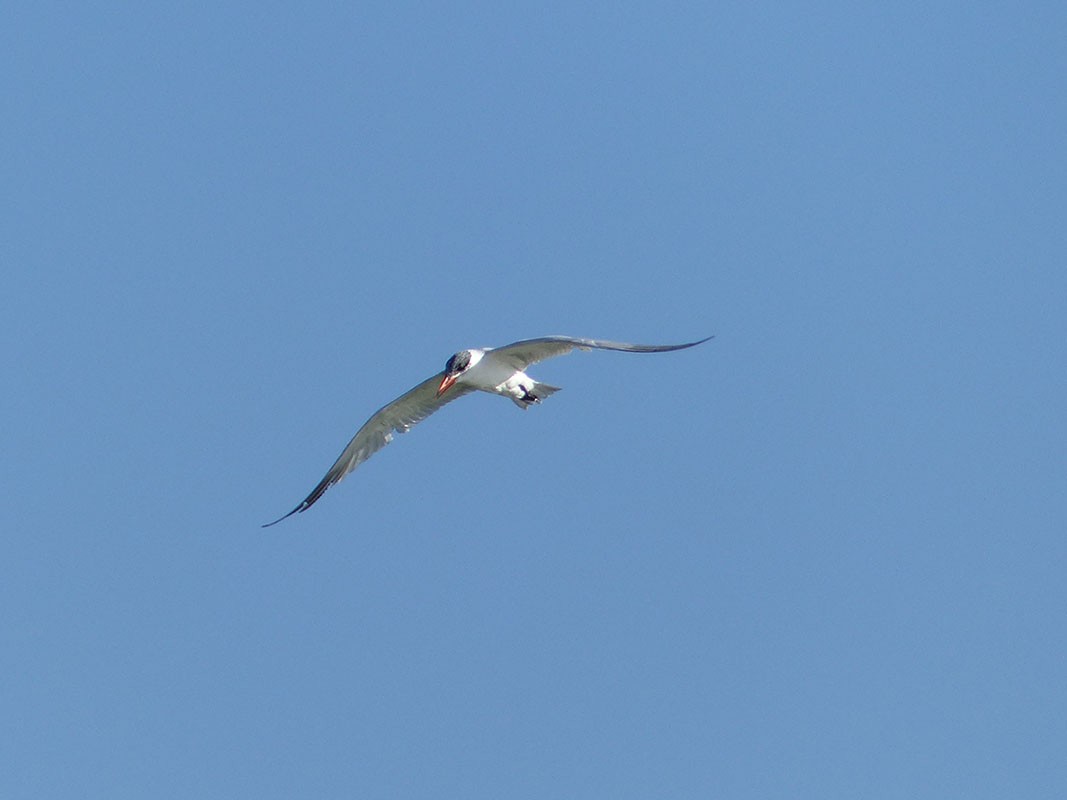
(820, 556)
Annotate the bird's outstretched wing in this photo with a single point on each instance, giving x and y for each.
(399, 416)
(522, 354)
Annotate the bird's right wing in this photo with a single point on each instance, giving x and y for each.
(399, 416)
(522, 354)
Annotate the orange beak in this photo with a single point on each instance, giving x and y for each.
(446, 382)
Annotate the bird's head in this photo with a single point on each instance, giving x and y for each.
(456, 366)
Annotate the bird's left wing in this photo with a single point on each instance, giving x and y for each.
(522, 354)
(399, 416)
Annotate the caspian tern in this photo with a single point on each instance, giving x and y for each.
(497, 370)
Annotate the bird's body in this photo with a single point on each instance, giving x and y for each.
(488, 372)
(500, 370)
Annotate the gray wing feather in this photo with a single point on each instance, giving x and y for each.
(399, 416)
(522, 354)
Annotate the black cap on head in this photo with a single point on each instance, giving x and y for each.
(457, 363)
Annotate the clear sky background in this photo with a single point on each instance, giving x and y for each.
(821, 556)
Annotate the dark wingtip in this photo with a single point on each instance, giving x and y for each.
(300, 507)
(308, 501)
(694, 344)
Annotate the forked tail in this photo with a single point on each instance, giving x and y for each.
(535, 394)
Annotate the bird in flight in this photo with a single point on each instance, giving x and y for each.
(497, 370)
